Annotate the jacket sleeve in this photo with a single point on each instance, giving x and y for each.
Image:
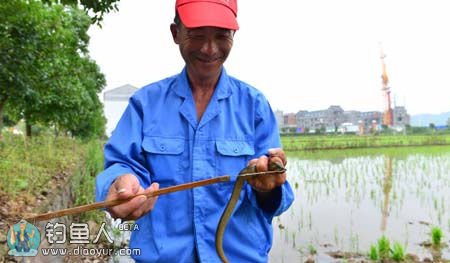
(266, 137)
(123, 152)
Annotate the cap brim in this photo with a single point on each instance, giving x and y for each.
(199, 14)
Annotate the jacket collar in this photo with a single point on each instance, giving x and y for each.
(183, 89)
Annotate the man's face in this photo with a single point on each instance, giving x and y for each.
(204, 49)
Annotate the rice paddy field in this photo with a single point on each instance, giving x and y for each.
(346, 200)
(325, 142)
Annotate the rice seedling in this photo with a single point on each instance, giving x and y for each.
(312, 250)
(436, 236)
(354, 239)
(398, 252)
(384, 247)
(293, 240)
(359, 183)
(286, 237)
(336, 236)
(373, 254)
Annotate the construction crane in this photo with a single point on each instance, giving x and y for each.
(387, 109)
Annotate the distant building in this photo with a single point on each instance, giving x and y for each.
(115, 101)
(280, 118)
(336, 119)
(327, 120)
(401, 117)
(289, 120)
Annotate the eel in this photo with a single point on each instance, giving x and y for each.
(240, 181)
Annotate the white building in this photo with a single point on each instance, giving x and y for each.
(115, 101)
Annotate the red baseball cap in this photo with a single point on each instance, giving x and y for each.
(199, 13)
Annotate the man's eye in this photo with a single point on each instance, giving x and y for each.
(197, 37)
(224, 36)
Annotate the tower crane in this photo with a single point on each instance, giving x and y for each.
(387, 109)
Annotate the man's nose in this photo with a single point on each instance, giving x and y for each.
(210, 47)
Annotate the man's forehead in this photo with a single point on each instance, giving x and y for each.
(208, 28)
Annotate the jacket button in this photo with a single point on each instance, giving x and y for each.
(162, 147)
(236, 150)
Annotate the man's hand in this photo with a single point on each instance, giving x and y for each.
(266, 183)
(125, 186)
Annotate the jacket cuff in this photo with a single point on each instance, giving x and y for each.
(281, 199)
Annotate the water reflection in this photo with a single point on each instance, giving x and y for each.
(387, 187)
(347, 203)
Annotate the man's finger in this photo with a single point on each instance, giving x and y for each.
(148, 204)
(252, 162)
(263, 183)
(124, 210)
(125, 186)
(262, 164)
(278, 152)
(277, 160)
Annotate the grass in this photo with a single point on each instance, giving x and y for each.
(84, 181)
(398, 152)
(33, 165)
(312, 250)
(436, 236)
(30, 165)
(384, 247)
(322, 142)
(398, 252)
(383, 251)
(373, 254)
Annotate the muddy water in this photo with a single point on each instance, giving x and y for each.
(346, 200)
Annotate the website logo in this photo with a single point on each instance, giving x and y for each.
(23, 239)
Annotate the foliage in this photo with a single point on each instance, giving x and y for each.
(384, 247)
(297, 143)
(436, 236)
(373, 254)
(40, 163)
(312, 250)
(383, 251)
(97, 8)
(398, 252)
(84, 180)
(46, 75)
(34, 164)
(417, 130)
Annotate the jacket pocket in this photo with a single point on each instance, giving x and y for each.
(231, 157)
(163, 156)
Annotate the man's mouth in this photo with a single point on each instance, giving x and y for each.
(208, 60)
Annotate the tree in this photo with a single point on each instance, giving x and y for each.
(19, 37)
(47, 76)
(96, 7)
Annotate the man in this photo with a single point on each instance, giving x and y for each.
(199, 124)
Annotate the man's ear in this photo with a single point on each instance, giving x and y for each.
(174, 30)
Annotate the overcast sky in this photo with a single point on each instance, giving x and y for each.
(303, 55)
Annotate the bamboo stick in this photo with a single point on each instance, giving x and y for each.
(111, 203)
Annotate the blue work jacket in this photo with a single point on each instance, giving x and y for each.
(159, 139)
